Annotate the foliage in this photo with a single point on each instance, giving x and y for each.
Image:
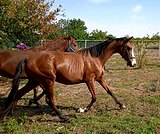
(4, 39)
(77, 28)
(98, 35)
(26, 21)
(156, 36)
(140, 47)
(30, 21)
(73, 27)
(109, 36)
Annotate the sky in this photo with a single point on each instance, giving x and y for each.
(136, 18)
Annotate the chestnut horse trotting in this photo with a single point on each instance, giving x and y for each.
(83, 66)
(9, 59)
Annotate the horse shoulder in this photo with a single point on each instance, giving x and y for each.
(93, 68)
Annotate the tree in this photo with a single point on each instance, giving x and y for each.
(73, 27)
(61, 24)
(110, 36)
(98, 35)
(27, 21)
(77, 28)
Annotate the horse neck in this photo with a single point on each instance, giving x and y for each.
(50, 45)
(110, 50)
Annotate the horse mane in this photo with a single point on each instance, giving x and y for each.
(97, 49)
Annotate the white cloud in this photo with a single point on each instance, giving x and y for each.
(137, 9)
(100, 1)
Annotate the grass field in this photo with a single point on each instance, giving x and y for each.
(138, 89)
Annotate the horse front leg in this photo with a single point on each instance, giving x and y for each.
(103, 83)
(91, 88)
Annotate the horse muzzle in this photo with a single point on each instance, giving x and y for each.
(132, 63)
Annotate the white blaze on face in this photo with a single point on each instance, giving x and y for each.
(133, 58)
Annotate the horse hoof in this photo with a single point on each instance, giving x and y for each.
(81, 110)
(64, 119)
(30, 102)
(39, 105)
(10, 112)
(123, 107)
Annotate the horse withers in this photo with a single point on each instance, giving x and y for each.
(83, 66)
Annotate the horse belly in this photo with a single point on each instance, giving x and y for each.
(68, 78)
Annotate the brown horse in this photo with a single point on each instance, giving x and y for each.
(9, 59)
(83, 66)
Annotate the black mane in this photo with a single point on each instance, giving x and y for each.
(97, 49)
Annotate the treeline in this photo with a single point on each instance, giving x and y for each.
(31, 21)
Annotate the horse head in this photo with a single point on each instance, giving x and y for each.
(72, 45)
(127, 51)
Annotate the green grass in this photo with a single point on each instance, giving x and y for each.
(138, 118)
(11, 125)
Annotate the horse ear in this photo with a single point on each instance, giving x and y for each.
(129, 44)
(128, 39)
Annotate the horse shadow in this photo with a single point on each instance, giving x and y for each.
(108, 69)
(44, 110)
(2, 100)
(32, 111)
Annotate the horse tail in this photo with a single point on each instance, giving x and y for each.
(7, 106)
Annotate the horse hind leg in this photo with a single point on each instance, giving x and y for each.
(28, 87)
(49, 86)
(36, 98)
